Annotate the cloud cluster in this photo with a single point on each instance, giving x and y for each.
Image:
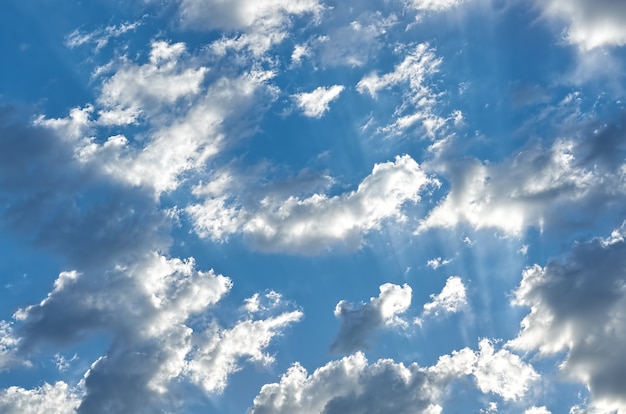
(352, 385)
(359, 323)
(319, 222)
(57, 398)
(577, 306)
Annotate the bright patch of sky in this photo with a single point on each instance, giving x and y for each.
(309, 206)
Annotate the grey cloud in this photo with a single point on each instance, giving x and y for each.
(577, 305)
(70, 207)
(359, 323)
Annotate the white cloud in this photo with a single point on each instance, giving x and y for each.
(537, 410)
(100, 37)
(438, 262)
(319, 222)
(56, 398)
(146, 308)
(241, 14)
(419, 99)
(8, 346)
(592, 23)
(435, 5)
(577, 306)
(137, 88)
(260, 23)
(352, 385)
(451, 299)
(218, 351)
(315, 104)
(359, 323)
(529, 189)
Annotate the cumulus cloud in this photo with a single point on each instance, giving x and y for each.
(577, 306)
(358, 323)
(319, 222)
(533, 187)
(315, 104)
(451, 299)
(182, 138)
(591, 23)
(352, 385)
(57, 398)
(134, 89)
(537, 410)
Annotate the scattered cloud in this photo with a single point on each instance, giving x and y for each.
(100, 37)
(576, 306)
(435, 5)
(451, 299)
(359, 323)
(315, 104)
(438, 262)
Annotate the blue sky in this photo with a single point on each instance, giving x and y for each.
(309, 206)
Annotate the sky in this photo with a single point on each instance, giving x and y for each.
(312, 206)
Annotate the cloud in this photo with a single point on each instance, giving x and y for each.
(419, 97)
(537, 410)
(220, 350)
(146, 308)
(100, 37)
(59, 202)
(258, 24)
(134, 89)
(57, 398)
(216, 14)
(451, 299)
(8, 346)
(319, 222)
(533, 187)
(438, 262)
(315, 104)
(359, 323)
(352, 385)
(576, 306)
(435, 5)
(592, 23)
(181, 139)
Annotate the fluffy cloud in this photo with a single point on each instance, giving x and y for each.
(352, 385)
(315, 104)
(359, 323)
(182, 138)
(57, 398)
(577, 306)
(313, 224)
(451, 299)
(134, 89)
(537, 410)
(592, 23)
(532, 188)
